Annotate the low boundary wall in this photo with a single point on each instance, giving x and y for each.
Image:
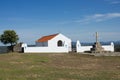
(80, 48)
(44, 49)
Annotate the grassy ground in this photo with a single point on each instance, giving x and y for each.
(18, 66)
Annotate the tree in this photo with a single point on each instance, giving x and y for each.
(9, 37)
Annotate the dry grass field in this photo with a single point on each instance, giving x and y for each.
(34, 66)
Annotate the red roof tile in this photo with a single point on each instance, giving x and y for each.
(46, 38)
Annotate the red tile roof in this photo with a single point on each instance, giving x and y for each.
(46, 38)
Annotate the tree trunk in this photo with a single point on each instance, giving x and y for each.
(11, 47)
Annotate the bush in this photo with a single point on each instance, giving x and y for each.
(117, 48)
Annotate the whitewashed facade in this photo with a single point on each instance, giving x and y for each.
(80, 48)
(57, 43)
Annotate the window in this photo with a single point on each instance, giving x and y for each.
(59, 43)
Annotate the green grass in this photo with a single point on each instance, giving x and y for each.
(18, 66)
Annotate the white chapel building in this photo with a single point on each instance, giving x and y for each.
(57, 43)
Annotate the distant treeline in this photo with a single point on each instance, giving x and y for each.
(4, 49)
(117, 48)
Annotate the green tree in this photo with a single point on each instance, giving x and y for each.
(9, 37)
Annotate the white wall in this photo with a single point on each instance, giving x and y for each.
(65, 40)
(52, 46)
(80, 48)
(109, 47)
(63, 49)
(45, 50)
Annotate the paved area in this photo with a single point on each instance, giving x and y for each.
(104, 54)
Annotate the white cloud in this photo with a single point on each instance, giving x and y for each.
(99, 17)
(113, 1)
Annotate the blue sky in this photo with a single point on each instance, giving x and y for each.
(76, 19)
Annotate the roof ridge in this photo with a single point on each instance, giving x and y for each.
(46, 38)
(51, 35)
